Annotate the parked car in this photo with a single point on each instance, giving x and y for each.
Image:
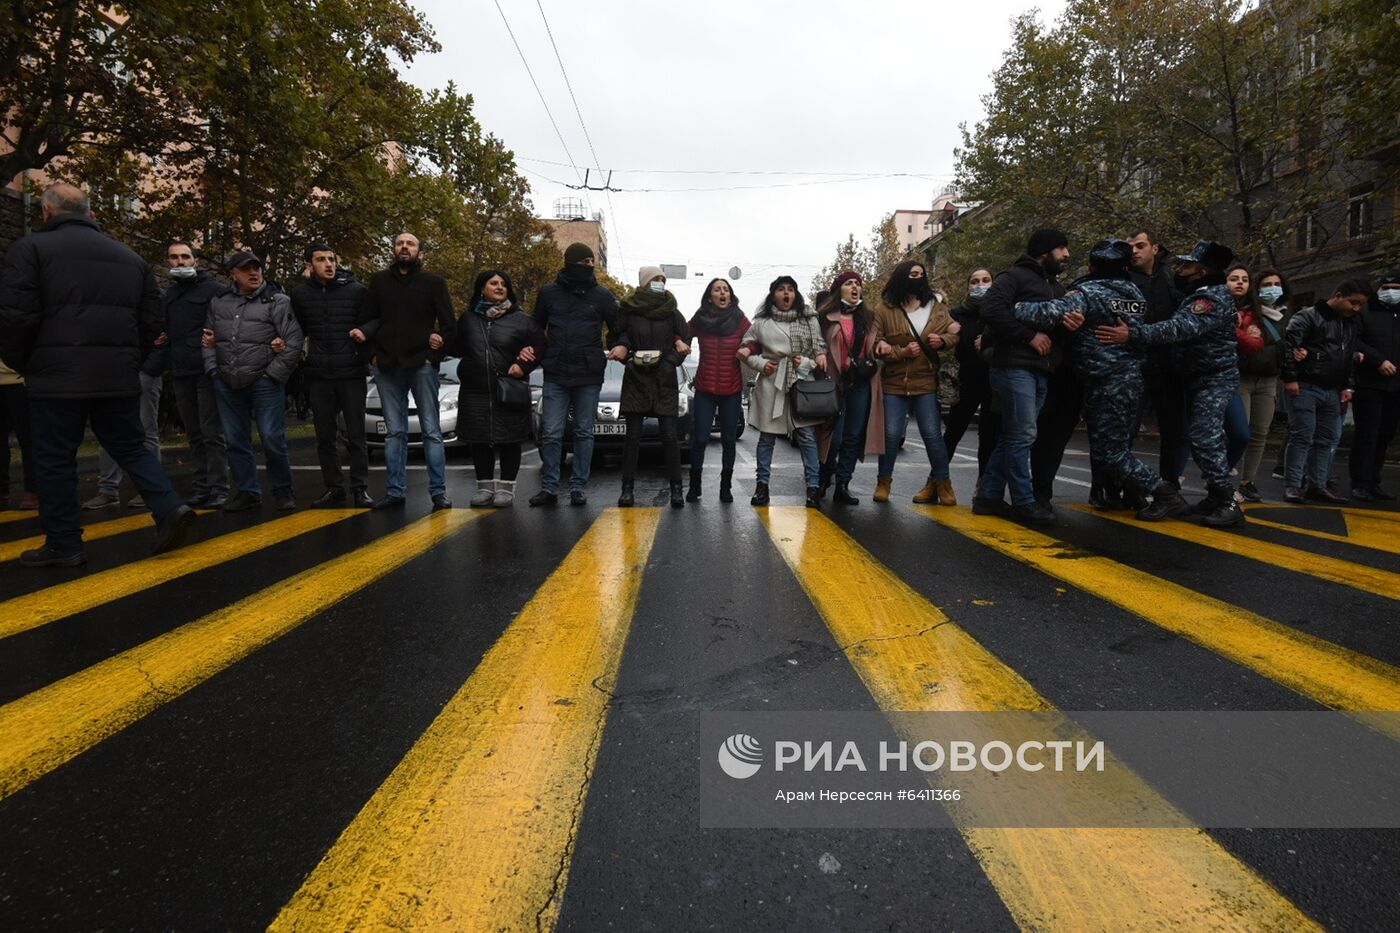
(610, 427)
(448, 387)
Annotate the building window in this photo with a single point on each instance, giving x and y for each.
(1309, 54)
(1359, 217)
(1307, 233)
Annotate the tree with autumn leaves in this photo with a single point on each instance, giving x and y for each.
(1194, 118)
(264, 124)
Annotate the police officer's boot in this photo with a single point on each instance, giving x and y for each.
(1227, 511)
(1207, 505)
(1166, 502)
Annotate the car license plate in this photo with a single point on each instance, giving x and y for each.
(609, 429)
(381, 428)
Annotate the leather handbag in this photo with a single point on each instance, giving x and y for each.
(512, 394)
(814, 399)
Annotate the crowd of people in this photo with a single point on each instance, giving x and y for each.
(1204, 343)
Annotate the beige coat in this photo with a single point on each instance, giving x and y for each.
(8, 377)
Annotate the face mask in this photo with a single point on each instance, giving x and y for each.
(1390, 296)
(977, 291)
(1271, 293)
(657, 286)
(183, 272)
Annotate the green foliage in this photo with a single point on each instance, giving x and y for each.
(872, 261)
(265, 124)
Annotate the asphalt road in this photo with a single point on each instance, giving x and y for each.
(487, 720)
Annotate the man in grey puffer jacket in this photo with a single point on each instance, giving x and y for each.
(252, 345)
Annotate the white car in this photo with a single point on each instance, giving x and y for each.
(448, 387)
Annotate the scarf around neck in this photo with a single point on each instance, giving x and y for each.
(717, 322)
(491, 310)
(654, 306)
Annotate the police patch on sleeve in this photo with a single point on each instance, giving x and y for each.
(1202, 306)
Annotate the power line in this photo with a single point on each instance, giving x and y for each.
(543, 103)
(597, 163)
(677, 171)
(790, 184)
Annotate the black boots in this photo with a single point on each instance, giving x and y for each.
(843, 495)
(824, 475)
(726, 491)
(677, 496)
(1166, 502)
(626, 500)
(1227, 511)
(814, 497)
(693, 494)
(760, 494)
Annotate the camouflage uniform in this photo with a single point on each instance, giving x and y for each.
(1205, 353)
(1112, 373)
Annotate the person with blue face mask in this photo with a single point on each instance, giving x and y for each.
(1376, 405)
(1259, 376)
(975, 389)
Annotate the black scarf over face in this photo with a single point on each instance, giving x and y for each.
(917, 288)
(577, 277)
(717, 322)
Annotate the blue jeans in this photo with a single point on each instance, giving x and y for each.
(394, 388)
(558, 401)
(704, 406)
(58, 431)
(1020, 393)
(806, 442)
(265, 402)
(848, 434)
(930, 420)
(1314, 423)
(109, 475)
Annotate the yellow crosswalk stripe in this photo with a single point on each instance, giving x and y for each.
(10, 550)
(65, 599)
(16, 515)
(1362, 530)
(912, 657)
(1325, 672)
(474, 829)
(1332, 569)
(55, 724)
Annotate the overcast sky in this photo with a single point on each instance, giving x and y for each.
(875, 88)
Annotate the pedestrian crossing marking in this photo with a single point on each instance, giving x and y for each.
(1328, 673)
(10, 550)
(1373, 515)
(55, 724)
(16, 515)
(1362, 531)
(912, 657)
(474, 830)
(65, 599)
(1332, 569)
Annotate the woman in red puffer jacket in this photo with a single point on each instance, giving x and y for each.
(720, 327)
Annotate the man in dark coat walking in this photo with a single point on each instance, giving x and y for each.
(327, 305)
(186, 309)
(78, 311)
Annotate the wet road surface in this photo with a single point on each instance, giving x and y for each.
(335, 720)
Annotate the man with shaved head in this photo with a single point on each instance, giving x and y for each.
(78, 311)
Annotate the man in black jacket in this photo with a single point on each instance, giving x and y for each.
(571, 311)
(407, 319)
(1317, 377)
(327, 306)
(1376, 405)
(1166, 392)
(1022, 361)
(186, 309)
(77, 313)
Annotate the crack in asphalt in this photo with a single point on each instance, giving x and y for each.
(155, 688)
(874, 638)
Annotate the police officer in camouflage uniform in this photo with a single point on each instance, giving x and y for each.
(1202, 332)
(1112, 372)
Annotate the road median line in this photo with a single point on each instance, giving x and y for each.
(474, 829)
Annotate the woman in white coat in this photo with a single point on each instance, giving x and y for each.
(784, 346)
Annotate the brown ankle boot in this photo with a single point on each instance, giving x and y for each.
(928, 494)
(882, 488)
(946, 496)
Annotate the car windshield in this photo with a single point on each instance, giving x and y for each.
(612, 377)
